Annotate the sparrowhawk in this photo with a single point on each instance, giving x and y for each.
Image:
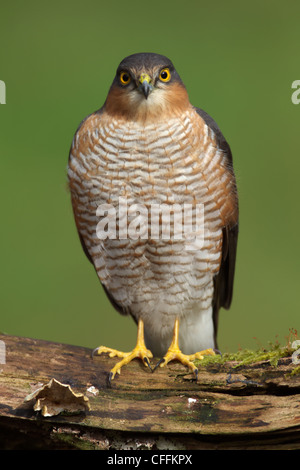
(145, 153)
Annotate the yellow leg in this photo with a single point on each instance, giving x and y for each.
(174, 353)
(140, 351)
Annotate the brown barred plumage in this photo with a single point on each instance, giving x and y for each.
(151, 151)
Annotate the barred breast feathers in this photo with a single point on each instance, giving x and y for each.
(174, 161)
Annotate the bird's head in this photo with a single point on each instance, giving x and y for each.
(146, 86)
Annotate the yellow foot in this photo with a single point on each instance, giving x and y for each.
(175, 354)
(140, 351)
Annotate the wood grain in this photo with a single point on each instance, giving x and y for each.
(249, 407)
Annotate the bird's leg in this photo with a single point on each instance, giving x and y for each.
(140, 351)
(174, 353)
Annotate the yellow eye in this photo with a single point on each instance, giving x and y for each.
(125, 78)
(165, 75)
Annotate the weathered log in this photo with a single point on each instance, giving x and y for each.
(253, 406)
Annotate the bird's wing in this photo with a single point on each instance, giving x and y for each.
(223, 281)
(119, 308)
(70, 152)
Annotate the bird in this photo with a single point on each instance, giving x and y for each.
(145, 151)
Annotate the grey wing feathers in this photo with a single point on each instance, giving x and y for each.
(223, 281)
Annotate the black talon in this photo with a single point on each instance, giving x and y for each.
(109, 377)
(159, 362)
(94, 352)
(196, 374)
(147, 362)
(217, 352)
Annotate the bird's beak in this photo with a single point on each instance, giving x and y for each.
(145, 85)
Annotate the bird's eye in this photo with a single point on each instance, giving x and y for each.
(165, 75)
(125, 78)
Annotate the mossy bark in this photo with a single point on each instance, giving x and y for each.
(232, 406)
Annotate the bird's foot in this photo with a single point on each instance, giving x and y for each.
(140, 351)
(175, 354)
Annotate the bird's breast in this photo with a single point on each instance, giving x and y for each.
(139, 171)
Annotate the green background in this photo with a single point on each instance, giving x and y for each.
(238, 61)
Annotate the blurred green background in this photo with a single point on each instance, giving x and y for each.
(238, 61)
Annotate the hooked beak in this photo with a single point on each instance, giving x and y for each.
(144, 84)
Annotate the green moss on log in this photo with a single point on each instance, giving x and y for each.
(273, 353)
